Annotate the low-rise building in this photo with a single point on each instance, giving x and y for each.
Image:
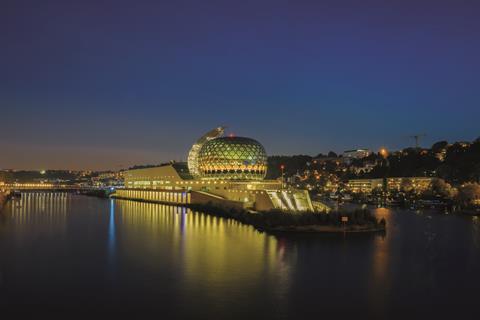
(417, 184)
(364, 185)
(357, 153)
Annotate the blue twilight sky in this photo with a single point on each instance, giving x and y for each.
(107, 84)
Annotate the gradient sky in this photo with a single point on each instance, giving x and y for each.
(107, 84)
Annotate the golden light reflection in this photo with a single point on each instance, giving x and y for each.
(211, 252)
(380, 266)
(39, 208)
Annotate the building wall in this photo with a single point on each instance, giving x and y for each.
(364, 185)
(163, 196)
(152, 178)
(209, 199)
(259, 201)
(263, 202)
(419, 184)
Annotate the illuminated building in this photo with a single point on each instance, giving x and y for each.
(441, 154)
(357, 153)
(364, 185)
(417, 184)
(226, 172)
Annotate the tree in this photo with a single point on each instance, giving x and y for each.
(332, 154)
(292, 165)
(469, 193)
(441, 188)
(475, 174)
(445, 172)
(439, 146)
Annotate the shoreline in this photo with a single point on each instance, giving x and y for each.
(329, 229)
(469, 212)
(243, 218)
(260, 220)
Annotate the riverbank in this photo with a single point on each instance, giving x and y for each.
(343, 221)
(356, 221)
(440, 208)
(96, 193)
(330, 229)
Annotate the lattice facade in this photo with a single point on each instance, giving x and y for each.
(235, 158)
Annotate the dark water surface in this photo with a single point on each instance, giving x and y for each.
(78, 256)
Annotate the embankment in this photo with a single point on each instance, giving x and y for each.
(358, 221)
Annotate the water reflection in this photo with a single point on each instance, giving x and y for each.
(380, 282)
(111, 229)
(213, 257)
(59, 249)
(213, 243)
(47, 209)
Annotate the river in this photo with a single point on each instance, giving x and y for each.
(67, 255)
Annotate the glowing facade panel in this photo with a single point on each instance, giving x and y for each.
(234, 158)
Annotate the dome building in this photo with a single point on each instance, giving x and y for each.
(227, 172)
(232, 158)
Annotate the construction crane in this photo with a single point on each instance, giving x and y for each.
(417, 138)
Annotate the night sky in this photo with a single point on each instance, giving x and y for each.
(108, 84)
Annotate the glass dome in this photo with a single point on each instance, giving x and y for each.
(234, 158)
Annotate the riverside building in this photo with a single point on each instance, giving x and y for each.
(222, 171)
(417, 184)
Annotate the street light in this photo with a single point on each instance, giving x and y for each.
(383, 152)
(282, 167)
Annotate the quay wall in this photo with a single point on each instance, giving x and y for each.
(175, 197)
(160, 196)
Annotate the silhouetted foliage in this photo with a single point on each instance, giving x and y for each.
(439, 146)
(468, 193)
(461, 164)
(293, 164)
(277, 218)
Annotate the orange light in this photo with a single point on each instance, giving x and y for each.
(384, 152)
